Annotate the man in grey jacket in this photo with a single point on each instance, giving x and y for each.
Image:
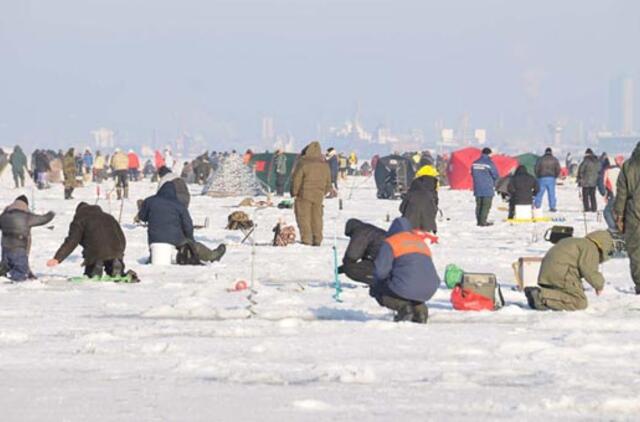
(16, 222)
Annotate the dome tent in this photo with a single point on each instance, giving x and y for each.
(459, 168)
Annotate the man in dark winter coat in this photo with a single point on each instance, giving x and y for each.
(405, 276)
(522, 188)
(310, 183)
(169, 222)
(16, 222)
(588, 174)
(420, 204)
(18, 165)
(485, 174)
(101, 238)
(547, 171)
(41, 166)
(182, 190)
(364, 244)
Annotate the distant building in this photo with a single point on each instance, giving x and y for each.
(620, 107)
(268, 130)
(103, 138)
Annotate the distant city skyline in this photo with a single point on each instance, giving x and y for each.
(154, 70)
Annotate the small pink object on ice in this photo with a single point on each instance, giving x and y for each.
(240, 285)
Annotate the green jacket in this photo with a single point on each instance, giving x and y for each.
(18, 160)
(627, 202)
(69, 168)
(572, 259)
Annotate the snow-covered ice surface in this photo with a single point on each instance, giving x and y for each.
(179, 346)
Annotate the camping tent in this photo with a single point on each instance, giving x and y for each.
(459, 168)
(529, 161)
(265, 169)
(393, 175)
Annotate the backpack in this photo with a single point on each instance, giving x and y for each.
(283, 235)
(477, 292)
(239, 220)
(557, 233)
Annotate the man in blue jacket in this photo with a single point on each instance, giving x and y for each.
(485, 174)
(405, 276)
(169, 222)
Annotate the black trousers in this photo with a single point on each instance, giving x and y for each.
(385, 297)
(122, 178)
(113, 268)
(361, 271)
(281, 179)
(589, 199)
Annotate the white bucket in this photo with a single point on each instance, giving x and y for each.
(537, 213)
(162, 253)
(523, 212)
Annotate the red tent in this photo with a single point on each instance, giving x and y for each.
(459, 169)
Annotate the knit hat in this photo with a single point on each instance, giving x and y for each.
(163, 171)
(23, 198)
(486, 150)
(547, 151)
(589, 151)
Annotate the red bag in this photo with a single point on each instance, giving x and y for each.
(467, 300)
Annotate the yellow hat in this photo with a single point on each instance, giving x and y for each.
(427, 170)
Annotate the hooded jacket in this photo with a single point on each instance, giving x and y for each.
(311, 179)
(589, 171)
(16, 222)
(404, 263)
(547, 166)
(97, 232)
(420, 204)
(182, 190)
(365, 241)
(522, 187)
(168, 220)
(572, 259)
(485, 174)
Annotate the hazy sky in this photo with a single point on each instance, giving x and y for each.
(68, 67)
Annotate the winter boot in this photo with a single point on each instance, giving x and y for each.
(404, 314)
(218, 252)
(533, 298)
(420, 314)
(4, 269)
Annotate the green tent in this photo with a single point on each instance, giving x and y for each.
(529, 161)
(265, 169)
